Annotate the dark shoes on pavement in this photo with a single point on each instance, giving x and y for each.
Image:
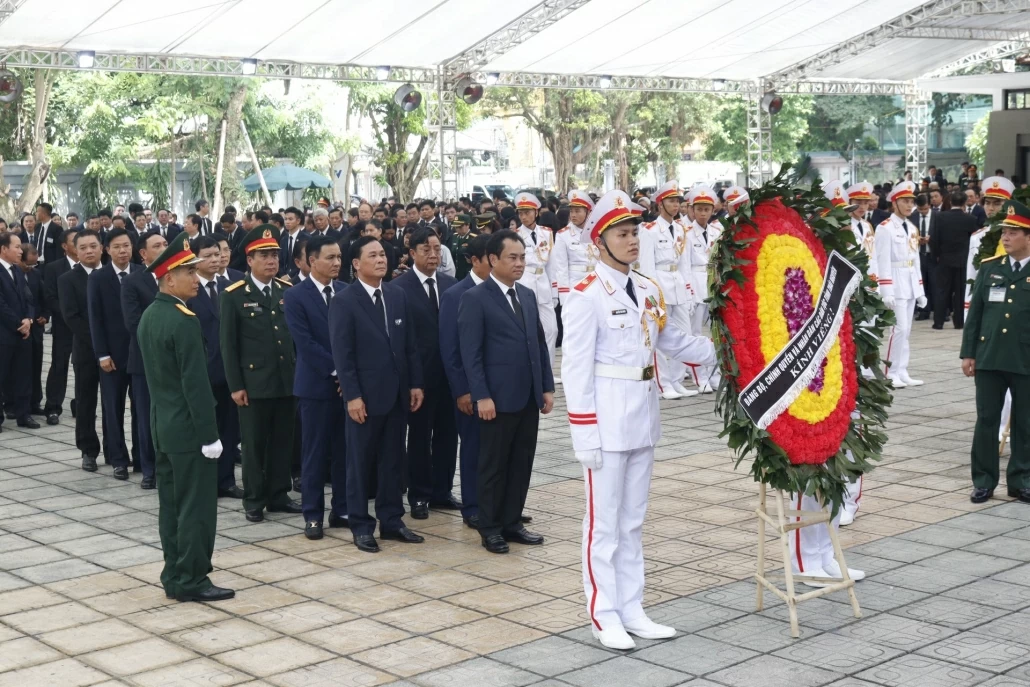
(402, 535)
(495, 543)
(420, 510)
(339, 520)
(53, 419)
(449, 503)
(89, 463)
(523, 536)
(1020, 495)
(288, 507)
(121, 473)
(233, 492)
(256, 515)
(28, 423)
(148, 483)
(210, 594)
(313, 530)
(366, 543)
(980, 495)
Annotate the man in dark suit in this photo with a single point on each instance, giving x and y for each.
(47, 233)
(376, 358)
(949, 249)
(432, 431)
(111, 344)
(292, 234)
(203, 210)
(971, 206)
(206, 307)
(234, 235)
(61, 348)
(165, 226)
(138, 293)
(33, 272)
(72, 294)
(504, 353)
(924, 218)
(320, 216)
(450, 353)
(317, 388)
(16, 315)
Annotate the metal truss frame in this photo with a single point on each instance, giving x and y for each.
(956, 33)
(9, 7)
(994, 52)
(919, 18)
(917, 124)
(759, 141)
(442, 120)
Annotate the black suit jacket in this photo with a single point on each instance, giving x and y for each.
(34, 279)
(138, 293)
(286, 266)
(15, 304)
(47, 241)
(915, 219)
(71, 288)
(238, 259)
(209, 319)
(427, 324)
(978, 213)
(106, 322)
(206, 228)
(949, 242)
(52, 271)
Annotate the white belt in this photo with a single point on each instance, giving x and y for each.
(581, 268)
(903, 263)
(633, 374)
(669, 268)
(535, 270)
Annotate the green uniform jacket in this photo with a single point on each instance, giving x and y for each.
(257, 348)
(182, 407)
(456, 245)
(997, 332)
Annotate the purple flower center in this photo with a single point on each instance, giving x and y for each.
(797, 308)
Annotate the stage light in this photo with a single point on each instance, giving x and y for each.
(382, 73)
(468, 90)
(87, 58)
(407, 98)
(248, 66)
(605, 82)
(718, 84)
(772, 103)
(492, 78)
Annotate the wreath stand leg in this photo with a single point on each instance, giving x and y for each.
(1005, 436)
(784, 528)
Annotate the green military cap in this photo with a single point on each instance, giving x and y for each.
(462, 220)
(1016, 215)
(484, 219)
(176, 254)
(261, 237)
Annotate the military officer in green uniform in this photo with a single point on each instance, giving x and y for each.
(994, 346)
(459, 239)
(259, 359)
(185, 432)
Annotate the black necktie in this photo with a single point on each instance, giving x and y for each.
(631, 292)
(432, 294)
(328, 293)
(533, 234)
(212, 291)
(382, 309)
(121, 278)
(672, 231)
(1015, 267)
(516, 305)
(268, 292)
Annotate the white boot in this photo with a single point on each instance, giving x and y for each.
(670, 394)
(909, 381)
(557, 379)
(645, 628)
(818, 572)
(706, 388)
(896, 380)
(832, 569)
(683, 391)
(614, 637)
(847, 516)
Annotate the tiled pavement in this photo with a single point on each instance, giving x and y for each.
(947, 601)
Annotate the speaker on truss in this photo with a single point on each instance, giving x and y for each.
(10, 86)
(772, 103)
(468, 90)
(407, 98)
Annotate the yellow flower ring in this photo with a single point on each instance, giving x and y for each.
(783, 276)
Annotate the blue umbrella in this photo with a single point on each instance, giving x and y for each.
(287, 177)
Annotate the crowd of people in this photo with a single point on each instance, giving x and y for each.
(378, 348)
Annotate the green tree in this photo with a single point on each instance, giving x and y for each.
(662, 124)
(837, 121)
(726, 139)
(29, 119)
(976, 142)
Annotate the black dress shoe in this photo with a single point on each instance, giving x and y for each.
(980, 495)
(495, 544)
(449, 503)
(524, 536)
(89, 463)
(290, 506)
(121, 473)
(74, 407)
(1020, 494)
(296, 484)
(37, 411)
(233, 492)
(9, 415)
(526, 518)
(366, 543)
(53, 419)
(403, 534)
(256, 515)
(420, 510)
(936, 327)
(28, 423)
(313, 530)
(339, 520)
(148, 483)
(472, 522)
(212, 593)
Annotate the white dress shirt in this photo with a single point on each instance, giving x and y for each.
(371, 291)
(504, 290)
(423, 277)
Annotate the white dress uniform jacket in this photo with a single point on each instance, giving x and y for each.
(664, 258)
(539, 268)
(896, 260)
(574, 258)
(975, 239)
(701, 241)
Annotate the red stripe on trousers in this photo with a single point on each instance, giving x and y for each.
(797, 540)
(657, 377)
(890, 344)
(590, 543)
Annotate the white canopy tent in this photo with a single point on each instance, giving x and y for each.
(740, 46)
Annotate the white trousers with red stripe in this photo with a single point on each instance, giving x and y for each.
(701, 325)
(673, 371)
(897, 342)
(549, 323)
(853, 497)
(613, 553)
(810, 547)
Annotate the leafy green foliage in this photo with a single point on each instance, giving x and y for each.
(837, 121)
(726, 138)
(976, 142)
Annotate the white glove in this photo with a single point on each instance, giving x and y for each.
(691, 307)
(555, 302)
(212, 451)
(921, 302)
(889, 302)
(590, 459)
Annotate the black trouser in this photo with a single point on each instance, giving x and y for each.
(991, 386)
(432, 447)
(267, 437)
(87, 384)
(114, 389)
(57, 377)
(36, 339)
(507, 445)
(228, 418)
(141, 420)
(376, 447)
(950, 283)
(15, 363)
(926, 269)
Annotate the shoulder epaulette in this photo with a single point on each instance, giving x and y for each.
(563, 229)
(586, 282)
(473, 234)
(641, 275)
(993, 257)
(886, 221)
(236, 285)
(648, 225)
(284, 282)
(184, 310)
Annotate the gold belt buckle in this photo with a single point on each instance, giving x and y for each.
(648, 373)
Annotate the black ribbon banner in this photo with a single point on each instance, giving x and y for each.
(778, 385)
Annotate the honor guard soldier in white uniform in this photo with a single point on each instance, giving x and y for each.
(539, 268)
(896, 271)
(733, 198)
(862, 194)
(614, 321)
(574, 254)
(702, 236)
(664, 259)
